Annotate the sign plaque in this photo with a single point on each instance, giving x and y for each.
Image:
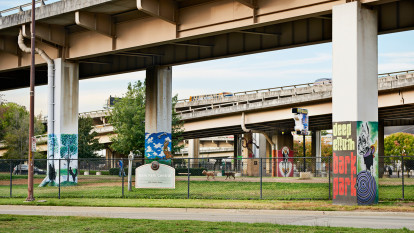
(155, 175)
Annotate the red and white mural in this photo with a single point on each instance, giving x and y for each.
(285, 162)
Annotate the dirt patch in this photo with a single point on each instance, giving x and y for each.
(20, 181)
(255, 179)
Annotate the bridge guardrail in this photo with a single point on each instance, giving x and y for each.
(280, 92)
(383, 75)
(20, 8)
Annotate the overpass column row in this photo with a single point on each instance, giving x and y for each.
(63, 142)
(355, 104)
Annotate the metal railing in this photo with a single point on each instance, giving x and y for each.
(230, 178)
(295, 86)
(273, 93)
(20, 8)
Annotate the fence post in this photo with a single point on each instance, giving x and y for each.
(122, 174)
(261, 178)
(402, 169)
(329, 176)
(59, 178)
(11, 177)
(188, 179)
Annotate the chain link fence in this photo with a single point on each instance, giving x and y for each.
(299, 178)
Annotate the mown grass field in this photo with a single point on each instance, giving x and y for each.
(14, 223)
(111, 187)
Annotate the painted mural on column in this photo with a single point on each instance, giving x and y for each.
(355, 163)
(367, 178)
(158, 147)
(52, 146)
(285, 162)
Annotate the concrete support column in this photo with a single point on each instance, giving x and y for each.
(193, 151)
(316, 151)
(63, 143)
(355, 104)
(237, 153)
(262, 146)
(247, 150)
(158, 114)
(381, 148)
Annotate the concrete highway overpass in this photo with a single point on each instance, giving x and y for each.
(116, 36)
(269, 110)
(94, 38)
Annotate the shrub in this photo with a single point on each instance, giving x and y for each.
(193, 171)
(115, 171)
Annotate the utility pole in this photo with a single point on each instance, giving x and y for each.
(30, 196)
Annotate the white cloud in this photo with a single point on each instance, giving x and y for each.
(149, 149)
(158, 145)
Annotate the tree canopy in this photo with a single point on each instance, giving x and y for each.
(14, 130)
(88, 145)
(128, 119)
(398, 144)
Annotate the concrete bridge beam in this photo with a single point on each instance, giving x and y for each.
(355, 104)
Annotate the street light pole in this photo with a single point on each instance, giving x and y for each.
(31, 122)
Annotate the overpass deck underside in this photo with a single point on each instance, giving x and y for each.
(202, 30)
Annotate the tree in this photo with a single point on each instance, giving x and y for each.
(128, 119)
(14, 122)
(326, 149)
(298, 147)
(177, 128)
(88, 144)
(398, 144)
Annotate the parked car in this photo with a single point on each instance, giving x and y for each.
(22, 169)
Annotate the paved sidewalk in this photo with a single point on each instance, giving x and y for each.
(291, 217)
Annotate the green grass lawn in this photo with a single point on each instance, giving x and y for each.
(14, 223)
(111, 188)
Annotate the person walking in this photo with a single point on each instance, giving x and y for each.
(121, 168)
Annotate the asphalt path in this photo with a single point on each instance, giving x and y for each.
(381, 220)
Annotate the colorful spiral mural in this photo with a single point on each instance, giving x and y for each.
(366, 188)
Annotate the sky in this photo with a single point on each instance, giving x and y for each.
(263, 70)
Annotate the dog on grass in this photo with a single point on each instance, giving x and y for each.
(208, 174)
(230, 174)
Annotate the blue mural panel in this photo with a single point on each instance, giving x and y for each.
(158, 147)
